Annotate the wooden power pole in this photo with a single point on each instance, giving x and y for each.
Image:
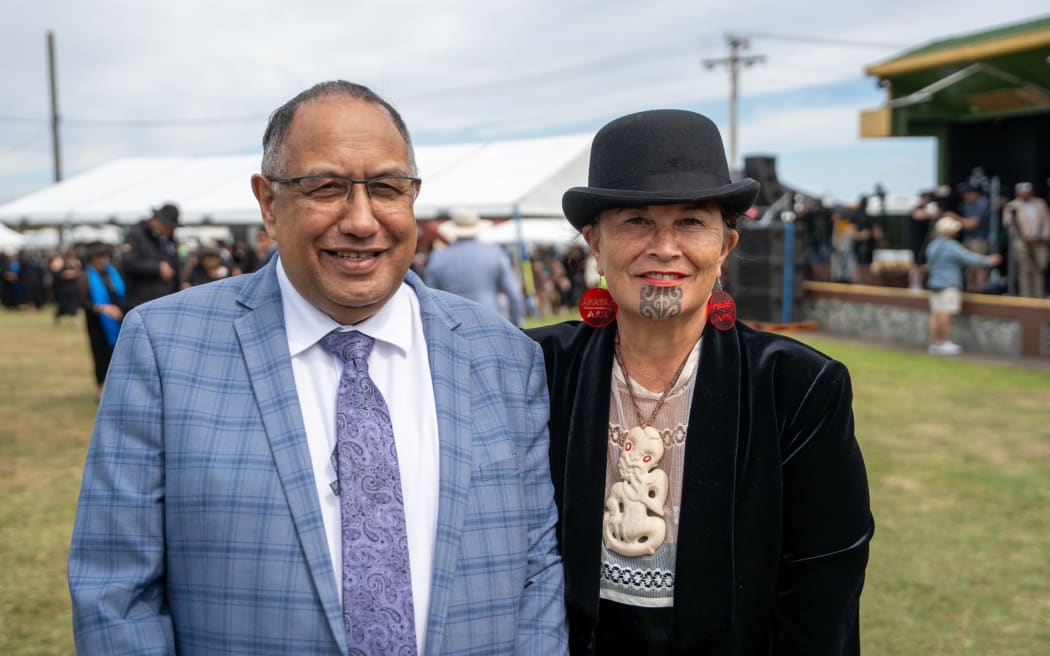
(54, 105)
(735, 61)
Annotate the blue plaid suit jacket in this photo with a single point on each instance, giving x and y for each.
(199, 529)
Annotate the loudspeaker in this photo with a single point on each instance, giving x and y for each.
(763, 168)
(756, 272)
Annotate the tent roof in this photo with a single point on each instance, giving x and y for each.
(492, 178)
(10, 241)
(533, 230)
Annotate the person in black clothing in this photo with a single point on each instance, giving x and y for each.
(9, 282)
(257, 256)
(149, 257)
(818, 225)
(209, 267)
(65, 285)
(711, 492)
(102, 295)
(865, 234)
(32, 278)
(922, 218)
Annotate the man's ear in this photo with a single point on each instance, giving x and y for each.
(263, 190)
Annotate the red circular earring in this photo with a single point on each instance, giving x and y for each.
(721, 308)
(597, 307)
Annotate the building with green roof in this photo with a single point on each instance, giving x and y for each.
(985, 97)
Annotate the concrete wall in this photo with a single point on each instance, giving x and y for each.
(988, 324)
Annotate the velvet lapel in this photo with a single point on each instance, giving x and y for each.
(264, 345)
(704, 578)
(449, 356)
(586, 453)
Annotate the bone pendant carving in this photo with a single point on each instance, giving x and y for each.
(633, 523)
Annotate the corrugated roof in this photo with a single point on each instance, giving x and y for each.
(975, 46)
(982, 36)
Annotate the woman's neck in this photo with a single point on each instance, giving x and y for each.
(653, 349)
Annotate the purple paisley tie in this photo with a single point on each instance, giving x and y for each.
(377, 587)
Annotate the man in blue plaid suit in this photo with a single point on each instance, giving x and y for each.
(208, 521)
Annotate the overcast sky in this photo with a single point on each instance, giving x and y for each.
(189, 77)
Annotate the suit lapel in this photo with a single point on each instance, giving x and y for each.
(704, 578)
(449, 357)
(585, 464)
(264, 345)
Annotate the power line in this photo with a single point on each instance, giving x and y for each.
(632, 58)
(817, 40)
(34, 139)
(146, 122)
(22, 119)
(149, 122)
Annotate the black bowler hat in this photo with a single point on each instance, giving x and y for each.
(657, 157)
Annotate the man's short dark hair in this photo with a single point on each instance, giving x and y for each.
(281, 120)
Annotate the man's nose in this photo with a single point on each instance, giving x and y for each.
(357, 217)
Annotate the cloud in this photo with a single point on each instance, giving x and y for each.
(800, 129)
(138, 78)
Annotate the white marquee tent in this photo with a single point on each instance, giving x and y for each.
(533, 231)
(494, 178)
(10, 241)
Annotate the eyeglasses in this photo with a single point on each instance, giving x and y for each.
(386, 192)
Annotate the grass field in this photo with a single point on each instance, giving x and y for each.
(958, 456)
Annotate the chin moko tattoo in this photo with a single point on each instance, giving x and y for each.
(660, 302)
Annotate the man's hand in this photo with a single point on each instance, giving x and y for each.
(166, 271)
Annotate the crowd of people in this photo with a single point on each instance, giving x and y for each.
(956, 246)
(840, 241)
(1019, 234)
(102, 281)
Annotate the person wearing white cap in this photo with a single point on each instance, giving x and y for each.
(1028, 220)
(474, 269)
(945, 257)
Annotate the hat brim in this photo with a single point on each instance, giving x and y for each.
(466, 232)
(582, 205)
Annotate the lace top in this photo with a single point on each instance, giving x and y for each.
(648, 580)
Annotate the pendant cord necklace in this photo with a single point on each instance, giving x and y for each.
(647, 421)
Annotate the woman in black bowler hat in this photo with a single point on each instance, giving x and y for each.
(712, 493)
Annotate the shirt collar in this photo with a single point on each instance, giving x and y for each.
(306, 325)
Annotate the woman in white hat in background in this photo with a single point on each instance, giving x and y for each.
(712, 495)
(946, 257)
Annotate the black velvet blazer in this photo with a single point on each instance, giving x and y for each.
(775, 525)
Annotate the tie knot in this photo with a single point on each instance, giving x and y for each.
(349, 346)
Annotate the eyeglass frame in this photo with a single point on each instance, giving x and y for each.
(350, 187)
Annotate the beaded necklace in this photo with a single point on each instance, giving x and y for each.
(647, 421)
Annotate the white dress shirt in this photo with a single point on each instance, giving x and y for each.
(401, 370)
